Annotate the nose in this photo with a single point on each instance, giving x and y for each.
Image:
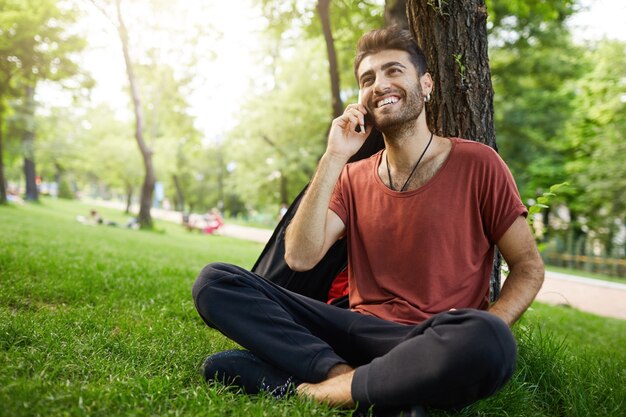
(381, 85)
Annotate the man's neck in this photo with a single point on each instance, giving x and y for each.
(405, 143)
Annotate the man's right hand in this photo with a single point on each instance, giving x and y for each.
(314, 227)
(345, 138)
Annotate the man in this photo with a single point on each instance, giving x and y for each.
(421, 219)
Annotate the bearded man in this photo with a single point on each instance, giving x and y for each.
(421, 219)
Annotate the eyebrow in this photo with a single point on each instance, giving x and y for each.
(383, 67)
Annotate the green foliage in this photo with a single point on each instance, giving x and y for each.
(170, 130)
(109, 161)
(282, 133)
(544, 200)
(534, 99)
(596, 137)
(521, 23)
(34, 43)
(349, 19)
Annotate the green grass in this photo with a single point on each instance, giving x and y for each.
(99, 321)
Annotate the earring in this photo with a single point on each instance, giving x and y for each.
(427, 98)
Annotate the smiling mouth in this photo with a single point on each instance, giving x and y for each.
(387, 101)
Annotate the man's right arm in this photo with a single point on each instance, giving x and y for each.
(315, 227)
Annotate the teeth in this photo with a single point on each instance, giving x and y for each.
(388, 100)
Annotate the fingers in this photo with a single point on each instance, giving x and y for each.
(355, 116)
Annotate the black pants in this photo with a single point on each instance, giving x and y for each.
(448, 361)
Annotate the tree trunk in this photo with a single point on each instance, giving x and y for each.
(145, 202)
(129, 197)
(28, 146)
(323, 10)
(3, 182)
(453, 35)
(395, 13)
(180, 195)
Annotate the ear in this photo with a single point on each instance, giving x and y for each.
(427, 83)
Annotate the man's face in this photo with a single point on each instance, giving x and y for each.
(391, 89)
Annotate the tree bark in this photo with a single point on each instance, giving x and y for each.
(453, 35)
(3, 182)
(395, 13)
(323, 7)
(28, 146)
(145, 202)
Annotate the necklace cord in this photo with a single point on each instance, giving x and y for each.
(414, 167)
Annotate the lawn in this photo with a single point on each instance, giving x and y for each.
(99, 321)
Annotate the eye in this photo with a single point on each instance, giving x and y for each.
(367, 81)
(394, 70)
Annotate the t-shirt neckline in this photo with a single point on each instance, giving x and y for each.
(379, 182)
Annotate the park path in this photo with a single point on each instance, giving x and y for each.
(603, 298)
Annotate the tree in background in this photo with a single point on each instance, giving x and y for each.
(35, 46)
(323, 9)
(169, 39)
(280, 136)
(594, 146)
(169, 128)
(60, 149)
(294, 25)
(145, 200)
(534, 65)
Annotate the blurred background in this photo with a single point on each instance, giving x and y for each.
(207, 104)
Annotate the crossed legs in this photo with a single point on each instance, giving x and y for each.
(342, 357)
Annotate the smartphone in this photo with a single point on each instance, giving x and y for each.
(359, 101)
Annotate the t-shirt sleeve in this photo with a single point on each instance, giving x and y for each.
(502, 204)
(337, 201)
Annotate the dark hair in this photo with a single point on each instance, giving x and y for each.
(391, 37)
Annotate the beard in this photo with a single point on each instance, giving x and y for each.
(412, 105)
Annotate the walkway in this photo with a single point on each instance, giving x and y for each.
(595, 296)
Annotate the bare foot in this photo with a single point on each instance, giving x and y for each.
(335, 391)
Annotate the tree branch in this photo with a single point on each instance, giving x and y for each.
(104, 12)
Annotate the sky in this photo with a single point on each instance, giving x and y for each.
(225, 81)
(600, 18)
(222, 81)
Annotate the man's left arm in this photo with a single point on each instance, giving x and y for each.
(526, 272)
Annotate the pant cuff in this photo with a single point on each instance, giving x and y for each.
(360, 393)
(321, 364)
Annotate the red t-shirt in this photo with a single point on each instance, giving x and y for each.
(417, 253)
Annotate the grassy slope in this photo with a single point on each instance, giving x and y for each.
(100, 321)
